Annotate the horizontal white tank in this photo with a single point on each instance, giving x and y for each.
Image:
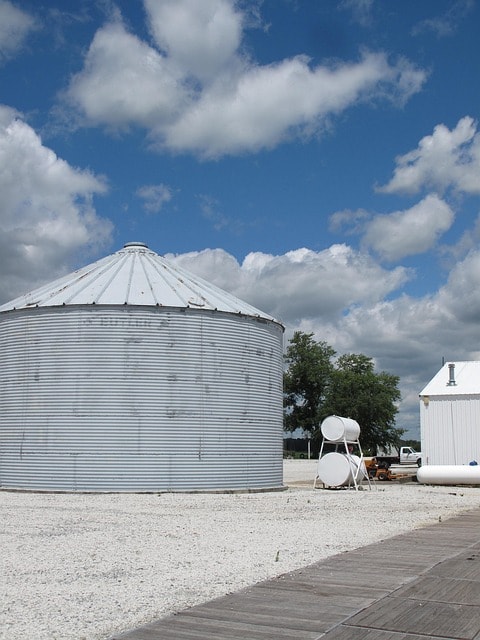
(338, 429)
(338, 469)
(449, 474)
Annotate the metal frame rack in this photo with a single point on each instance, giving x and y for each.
(357, 474)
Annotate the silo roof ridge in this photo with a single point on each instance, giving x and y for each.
(134, 275)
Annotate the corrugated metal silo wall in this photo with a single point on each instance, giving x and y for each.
(139, 399)
(450, 429)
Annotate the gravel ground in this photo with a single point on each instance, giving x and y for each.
(86, 566)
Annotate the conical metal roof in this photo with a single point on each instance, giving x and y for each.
(135, 275)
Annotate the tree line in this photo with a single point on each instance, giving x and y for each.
(317, 384)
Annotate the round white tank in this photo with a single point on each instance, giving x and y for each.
(451, 474)
(103, 387)
(338, 469)
(337, 429)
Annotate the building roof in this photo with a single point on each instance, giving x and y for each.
(135, 275)
(465, 375)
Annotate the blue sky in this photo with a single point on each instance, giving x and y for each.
(319, 159)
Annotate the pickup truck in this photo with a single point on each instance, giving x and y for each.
(403, 455)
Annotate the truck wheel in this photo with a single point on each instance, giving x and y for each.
(382, 476)
(419, 462)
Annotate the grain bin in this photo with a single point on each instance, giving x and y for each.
(132, 374)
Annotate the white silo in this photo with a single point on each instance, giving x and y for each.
(132, 374)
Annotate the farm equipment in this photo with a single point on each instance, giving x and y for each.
(379, 471)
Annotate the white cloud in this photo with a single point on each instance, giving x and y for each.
(399, 234)
(459, 297)
(201, 95)
(470, 239)
(447, 23)
(446, 323)
(214, 265)
(348, 221)
(269, 104)
(15, 25)
(124, 82)
(301, 283)
(154, 196)
(447, 158)
(214, 30)
(46, 211)
(409, 232)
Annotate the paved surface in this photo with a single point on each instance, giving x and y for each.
(417, 586)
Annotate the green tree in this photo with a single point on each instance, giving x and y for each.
(356, 391)
(308, 374)
(316, 387)
(415, 444)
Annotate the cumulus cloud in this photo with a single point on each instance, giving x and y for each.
(410, 232)
(470, 239)
(214, 265)
(46, 211)
(124, 81)
(445, 159)
(399, 234)
(214, 30)
(459, 297)
(441, 324)
(15, 26)
(269, 104)
(202, 95)
(154, 196)
(299, 284)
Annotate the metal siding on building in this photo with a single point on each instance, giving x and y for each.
(133, 398)
(450, 429)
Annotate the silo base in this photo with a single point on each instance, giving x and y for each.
(142, 473)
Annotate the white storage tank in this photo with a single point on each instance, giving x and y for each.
(338, 429)
(132, 374)
(338, 469)
(449, 474)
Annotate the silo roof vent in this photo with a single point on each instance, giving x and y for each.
(135, 244)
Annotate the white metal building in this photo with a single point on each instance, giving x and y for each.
(450, 415)
(132, 374)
